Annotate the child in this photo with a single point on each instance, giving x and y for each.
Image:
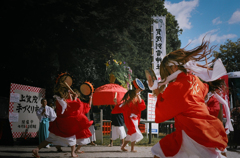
(198, 134)
(131, 108)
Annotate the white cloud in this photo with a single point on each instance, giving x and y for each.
(213, 36)
(216, 21)
(182, 12)
(235, 17)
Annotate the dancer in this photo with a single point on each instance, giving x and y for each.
(198, 134)
(131, 107)
(215, 109)
(118, 130)
(45, 115)
(69, 122)
(83, 135)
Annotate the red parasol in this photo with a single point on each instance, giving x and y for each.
(105, 94)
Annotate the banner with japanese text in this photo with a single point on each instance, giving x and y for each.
(23, 104)
(158, 42)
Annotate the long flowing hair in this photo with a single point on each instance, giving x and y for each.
(182, 56)
(60, 88)
(128, 97)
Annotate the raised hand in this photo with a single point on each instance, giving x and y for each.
(90, 100)
(43, 112)
(75, 95)
(149, 78)
(115, 101)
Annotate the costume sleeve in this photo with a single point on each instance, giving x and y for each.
(213, 106)
(117, 109)
(52, 115)
(74, 104)
(205, 89)
(62, 103)
(39, 113)
(86, 107)
(142, 105)
(172, 102)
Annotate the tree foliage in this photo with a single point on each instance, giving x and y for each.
(230, 55)
(43, 38)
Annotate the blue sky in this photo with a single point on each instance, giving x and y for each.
(220, 19)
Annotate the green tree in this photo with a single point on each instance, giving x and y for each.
(230, 55)
(43, 38)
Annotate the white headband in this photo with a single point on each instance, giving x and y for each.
(172, 62)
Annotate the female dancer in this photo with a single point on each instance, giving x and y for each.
(69, 122)
(131, 108)
(198, 134)
(83, 135)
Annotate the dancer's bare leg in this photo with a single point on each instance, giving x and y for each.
(124, 145)
(111, 143)
(78, 149)
(132, 147)
(40, 146)
(92, 143)
(73, 154)
(122, 142)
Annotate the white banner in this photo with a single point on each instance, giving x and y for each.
(158, 42)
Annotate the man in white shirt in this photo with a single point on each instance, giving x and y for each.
(45, 114)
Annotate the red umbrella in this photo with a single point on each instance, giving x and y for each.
(105, 94)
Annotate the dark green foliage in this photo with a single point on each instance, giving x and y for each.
(230, 55)
(42, 38)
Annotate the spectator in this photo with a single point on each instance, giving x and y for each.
(45, 114)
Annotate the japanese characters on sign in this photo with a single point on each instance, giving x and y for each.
(24, 106)
(158, 42)
(27, 124)
(26, 100)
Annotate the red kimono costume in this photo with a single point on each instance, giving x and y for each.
(132, 114)
(184, 100)
(68, 123)
(213, 106)
(85, 133)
